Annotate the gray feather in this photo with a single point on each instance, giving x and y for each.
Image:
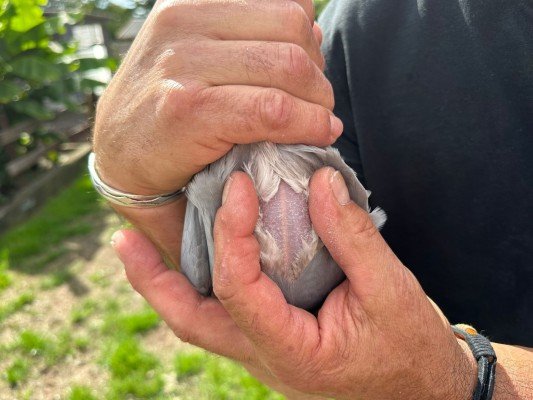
(194, 253)
(313, 274)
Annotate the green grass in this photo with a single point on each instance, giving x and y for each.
(50, 350)
(189, 363)
(220, 378)
(225, 380)
(129, 324)
(39, 263)
(100, 278)
(5, 280)
(98, 324)
(81, 393)
(17, 372)
(34, 343)
(82, 343)
(134, 372)
(320, 5)
(5, 277)
(83, 311)
(59, 219)
(16, 305)
(56, 279)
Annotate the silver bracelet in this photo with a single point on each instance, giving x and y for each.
(127, 199)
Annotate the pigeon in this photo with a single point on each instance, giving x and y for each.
(291, 254)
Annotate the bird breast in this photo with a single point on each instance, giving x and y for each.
(284, 231)
(292, 254)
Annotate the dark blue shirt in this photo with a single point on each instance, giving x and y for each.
(437, 102)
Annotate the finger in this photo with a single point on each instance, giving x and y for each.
(259, 20)
(247, 114)
(193, 318)
(255, 302)
(317, 30)
(284, 66)
(350, 236)
(309, 7)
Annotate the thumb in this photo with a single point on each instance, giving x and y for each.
(351, 237)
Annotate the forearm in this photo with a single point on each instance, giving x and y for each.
(514, 372)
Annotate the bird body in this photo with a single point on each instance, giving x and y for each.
(292, 254)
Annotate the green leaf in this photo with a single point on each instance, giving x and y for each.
(9, 91)
(36, 69)
(55, 47)
(87, 64)
(32, 108)
(4, 5)
(91, 84)
(28, 16)
(54, 25)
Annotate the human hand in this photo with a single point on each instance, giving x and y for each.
(377, 335)
(200, 77)
(204, 75)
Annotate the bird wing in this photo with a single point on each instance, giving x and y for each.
(194, 251)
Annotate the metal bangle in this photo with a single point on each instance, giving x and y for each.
(128, 199)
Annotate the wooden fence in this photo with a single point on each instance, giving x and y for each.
(34, 187)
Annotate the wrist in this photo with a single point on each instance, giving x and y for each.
(162, 225)
(118, 175)
(452, 376)
(466, 374)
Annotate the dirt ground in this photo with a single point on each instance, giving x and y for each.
(97, 276)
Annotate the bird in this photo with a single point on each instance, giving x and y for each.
(291, 253)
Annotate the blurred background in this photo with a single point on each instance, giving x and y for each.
(71, 327)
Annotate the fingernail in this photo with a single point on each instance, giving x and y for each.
(338, 186)
(336, 125)
(226, 190)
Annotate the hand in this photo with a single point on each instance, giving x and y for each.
(377, 335)
(204, 75)
(200, 77)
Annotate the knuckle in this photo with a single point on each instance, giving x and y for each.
(221, 288)
(184, 334)
(308, 5)
(136, 284)
(222, 282)
(295, 18)
(362, 226)
(322, 123)
(223, 223)
(168, 13)
(176, 101)
(164, 13)
(274, 108)
(157, 283)
(296, 62)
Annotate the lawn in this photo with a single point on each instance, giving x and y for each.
(72, 328)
